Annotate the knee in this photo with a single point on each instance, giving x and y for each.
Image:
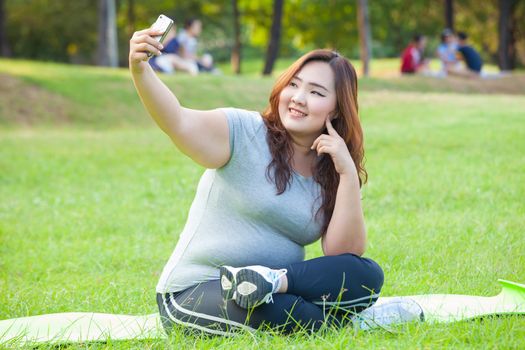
(373, 276)
(370, 273)
(377, 276)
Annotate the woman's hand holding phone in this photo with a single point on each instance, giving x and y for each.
(142, 43)
(148, 42)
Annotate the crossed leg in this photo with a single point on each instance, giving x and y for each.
(322, 290)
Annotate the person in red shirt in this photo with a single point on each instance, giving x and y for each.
(412, 57)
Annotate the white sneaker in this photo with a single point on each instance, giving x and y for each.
(394, 312)
(250, 286)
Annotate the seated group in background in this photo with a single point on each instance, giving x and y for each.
(180, 52)
(170, 60)
(457, 57)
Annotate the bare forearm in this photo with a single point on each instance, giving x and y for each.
(346, 232)
(158, 100)
(201, 135)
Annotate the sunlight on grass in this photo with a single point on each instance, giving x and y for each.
(91, 210)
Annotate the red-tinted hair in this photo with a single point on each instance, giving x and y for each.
(347, 125)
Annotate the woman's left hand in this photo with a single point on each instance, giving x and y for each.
(335, 146)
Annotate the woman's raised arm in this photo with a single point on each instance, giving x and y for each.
(201, 135)
(346, 231)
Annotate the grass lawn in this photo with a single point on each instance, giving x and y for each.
(93, 197)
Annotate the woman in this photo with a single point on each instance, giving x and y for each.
(274, 183)
(446, 52)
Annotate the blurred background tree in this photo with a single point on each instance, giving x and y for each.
(4, 47)
(107, 34)
(68, 31)
(275, 37)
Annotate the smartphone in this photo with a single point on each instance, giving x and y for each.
(163, 24)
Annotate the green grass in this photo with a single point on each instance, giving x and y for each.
(91, 206)
(378, 67)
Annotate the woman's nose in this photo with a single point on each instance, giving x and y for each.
(298, 98)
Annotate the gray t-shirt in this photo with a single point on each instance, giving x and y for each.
(188, 43)
(237, 218)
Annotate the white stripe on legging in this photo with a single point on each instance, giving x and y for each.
(347, 302)
(204, 316)
(191, 325)
(209, 317)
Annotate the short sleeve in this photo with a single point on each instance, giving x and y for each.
(243, 128)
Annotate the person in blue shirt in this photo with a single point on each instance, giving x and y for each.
(446, 52)
(469, 55)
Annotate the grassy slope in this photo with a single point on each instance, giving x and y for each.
(90, 210)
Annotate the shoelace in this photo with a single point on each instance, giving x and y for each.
(276, 275)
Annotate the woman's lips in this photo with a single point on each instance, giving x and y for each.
(296, 113)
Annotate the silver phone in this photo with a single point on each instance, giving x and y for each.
(162, 24)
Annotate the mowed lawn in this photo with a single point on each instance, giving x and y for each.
(93, 197)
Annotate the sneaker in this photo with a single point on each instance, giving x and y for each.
(228, 282)
(250, 286)
(396, 311)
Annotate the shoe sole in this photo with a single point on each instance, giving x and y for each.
(252, 288)
(228, 284)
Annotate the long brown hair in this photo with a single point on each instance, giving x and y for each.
(346, 124)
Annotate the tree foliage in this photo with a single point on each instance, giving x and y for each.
(53, 30)
(66, 30)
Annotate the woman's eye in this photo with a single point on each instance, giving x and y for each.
(317, 93)
(292, 84)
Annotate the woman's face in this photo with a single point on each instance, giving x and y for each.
(308, 100)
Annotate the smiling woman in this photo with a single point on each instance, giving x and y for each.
(275, 182)
(304, 97)
(319, 90)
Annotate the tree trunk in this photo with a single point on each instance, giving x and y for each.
(364, 34)
(449, 14)
(4, 47)
(107, 34)
(236, 51)
(130, 27)
(506, 44)
(275, 37)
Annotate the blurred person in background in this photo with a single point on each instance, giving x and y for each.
(446, 52)
(170, 60)
(412, 60)
(188, 39)
(469, 55)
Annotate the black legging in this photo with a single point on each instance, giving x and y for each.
(325, 290)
